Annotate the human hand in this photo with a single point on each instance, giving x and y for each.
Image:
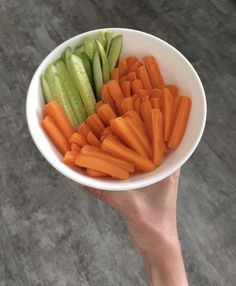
(150, 214)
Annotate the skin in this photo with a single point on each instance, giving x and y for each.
(150, 214)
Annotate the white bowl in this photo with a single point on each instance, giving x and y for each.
(175, 69)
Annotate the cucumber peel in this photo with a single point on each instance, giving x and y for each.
(89, 47)
(72, 92)
(59, 92)
(97, 74)
(46, 90)
(114, 51)
(87, 65)
(105, 63)
(81, 79)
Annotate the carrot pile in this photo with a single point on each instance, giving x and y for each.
(138, 120)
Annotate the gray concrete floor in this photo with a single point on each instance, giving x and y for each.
(53, 233)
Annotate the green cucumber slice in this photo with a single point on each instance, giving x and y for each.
(102, 38)
(109, 36)
(105, 63)
(89, 47)
(59, 92)
(114, 51)
(97, 75)
(87, 65)
(72, 91)
(81, 79)
(46, 89)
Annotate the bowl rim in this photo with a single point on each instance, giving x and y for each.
(94, 183)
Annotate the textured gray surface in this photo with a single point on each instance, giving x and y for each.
(51, 232)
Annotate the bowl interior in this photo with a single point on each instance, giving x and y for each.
(175, 69)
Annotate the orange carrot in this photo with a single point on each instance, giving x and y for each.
(180, 123)
(143, 76)
(122, 79)
(83, 129)
(78, 139)
(98, 104)
(55, 134)
(135, 66)
(119, 150)
(101, 165)
(106, 113)
(116, 93)
(98, 152)
(142, 92)
(156, 93)
(167, 108)
(177, 100)
(107, 131)
(144, 98)
(140, 135)
(121, 129)
(95, 124)
(126, 104)
(131, 76)
(131, 60)
(136, 85)
(157, 140)
(123, 67)
(74, 147)
(173, 89)
(92, 139)
(153, 71)
(145, 109)
(135, 116)
(155, 103)
(95, 174)
(55, 111)
(70, 156)
(115, 74)
(106, 97)
(136, 104)
(125, 87)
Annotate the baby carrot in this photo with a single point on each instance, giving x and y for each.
(92, 139)
(55, 134)
(115, 74)
(180, 122)
(95, 124)
(116, 93)
(55, 111)
(155, 103)
(70, 156)
(95, 174)
(78, 139)
(101, 165)
(125, 87)
(153, 71)
(83, 129)
(98, 152)
(173, 89)
(156, 93)
(135, 66)
(167, 107)
(119, 150)
(98, 104)
(131, 60)
(157, 141)
(106, 113)
(136, 85)
(123, 67)
(143, 76)
(106, 97)
(131, 76)
(145, 109)
(74, 147)
(126, 104)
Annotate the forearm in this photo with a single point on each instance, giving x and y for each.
(165, 266)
